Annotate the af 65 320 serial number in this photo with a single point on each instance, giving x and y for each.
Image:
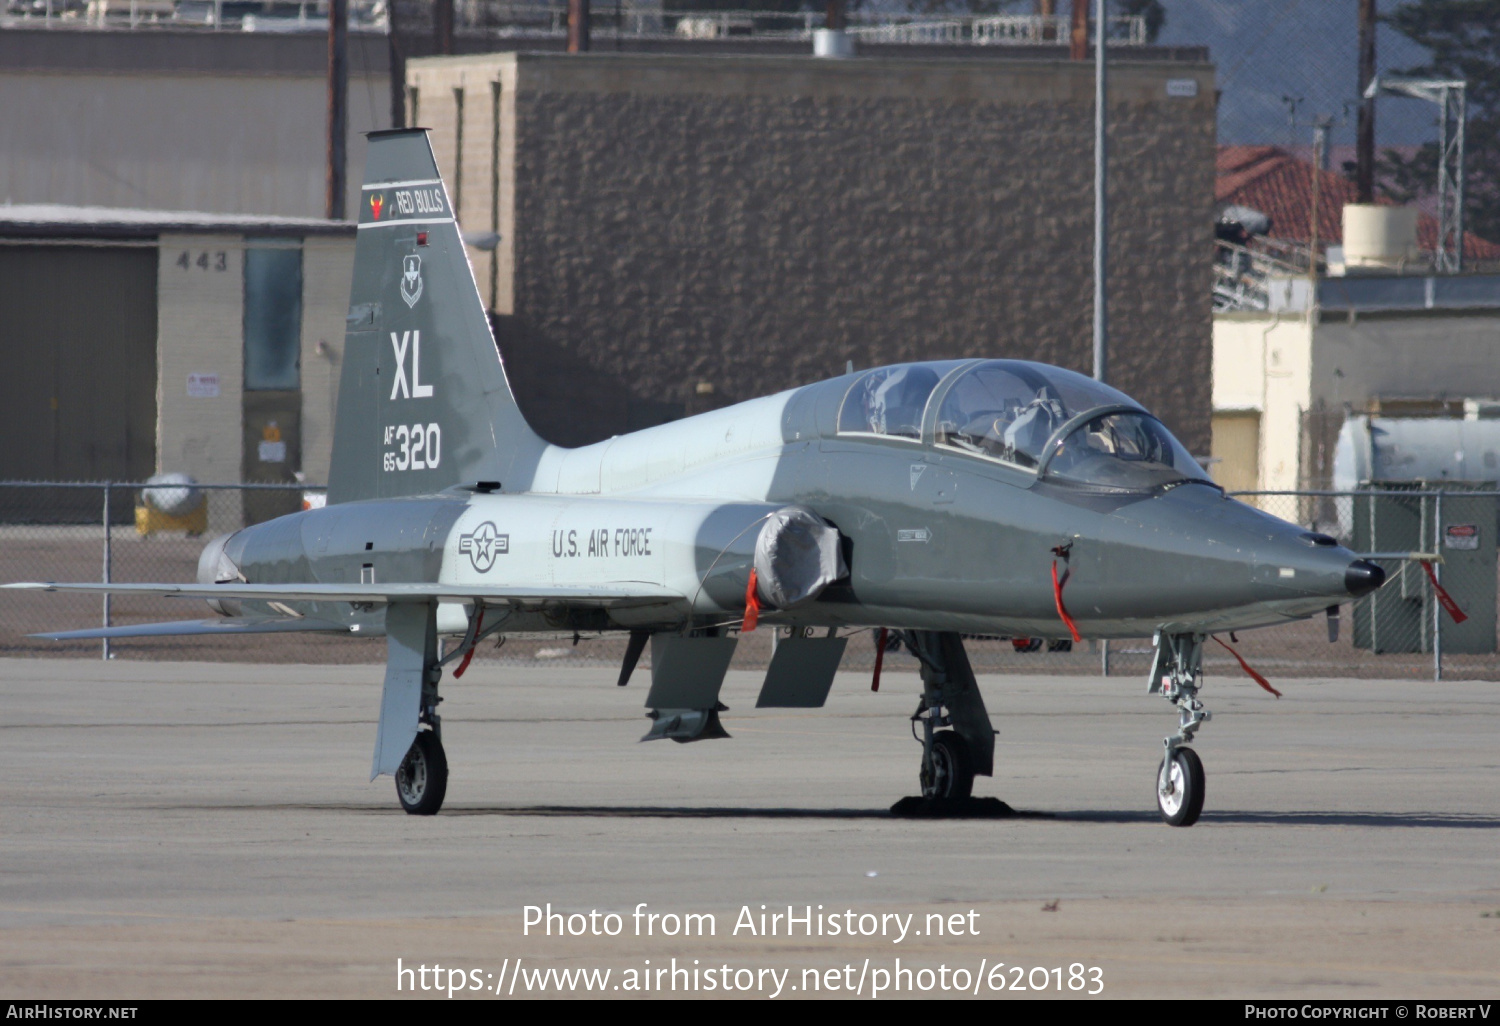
(417, 447)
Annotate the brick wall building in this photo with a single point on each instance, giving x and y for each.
(684, 231)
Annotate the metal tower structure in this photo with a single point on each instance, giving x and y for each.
(1449, 95)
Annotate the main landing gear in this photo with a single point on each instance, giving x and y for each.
(957, 739)
(422, 777)
(1176, 675)
(422, 780)
(414, 666)
(947, 768)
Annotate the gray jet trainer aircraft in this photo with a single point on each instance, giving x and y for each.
(925, 500)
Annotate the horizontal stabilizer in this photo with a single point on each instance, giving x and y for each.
(221, 625)
(632, 594)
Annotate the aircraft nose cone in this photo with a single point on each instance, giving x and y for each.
(1363, 577)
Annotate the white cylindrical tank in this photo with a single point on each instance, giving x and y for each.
(1397, 450)
(1377, 236)
(1415, 449)
(832, 43)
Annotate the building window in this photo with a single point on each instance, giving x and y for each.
(273, 314)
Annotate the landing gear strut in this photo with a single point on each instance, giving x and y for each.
(422, 778)
(1176, 675)
(957, 739)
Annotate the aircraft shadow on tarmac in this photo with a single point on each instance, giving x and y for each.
(1428, 820)
(707, 812)
(1407, 820)
(1431, 821)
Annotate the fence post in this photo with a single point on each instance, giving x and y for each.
(107, 560)
(1437, 575)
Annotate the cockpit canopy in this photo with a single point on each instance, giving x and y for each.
(892, 400)
(1028, 416)
(1123, 451)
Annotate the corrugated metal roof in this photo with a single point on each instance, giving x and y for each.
(57, 220)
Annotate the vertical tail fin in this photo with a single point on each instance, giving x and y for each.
(424, 402)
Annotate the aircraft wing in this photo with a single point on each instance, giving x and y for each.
(630, 594)
(219, 625)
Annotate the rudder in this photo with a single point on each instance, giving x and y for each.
(424, 402)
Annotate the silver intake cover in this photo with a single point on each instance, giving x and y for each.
(797, 555)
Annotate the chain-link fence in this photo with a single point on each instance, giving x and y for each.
(108, 532)
(1435, 546)
(81, 532)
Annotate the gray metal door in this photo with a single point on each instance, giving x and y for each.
(78, 343)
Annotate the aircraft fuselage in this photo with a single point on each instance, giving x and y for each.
(935, 539)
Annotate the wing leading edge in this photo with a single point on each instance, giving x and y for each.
(221, 625)
(634, 593)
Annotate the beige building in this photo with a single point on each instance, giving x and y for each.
(141, 342)
(1397, 345)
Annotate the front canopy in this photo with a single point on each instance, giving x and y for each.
(1009, 409)
(1123, 451)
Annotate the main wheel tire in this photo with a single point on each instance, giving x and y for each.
(422, 778)
(952, 770)
(1180, 787)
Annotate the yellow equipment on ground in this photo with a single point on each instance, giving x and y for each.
(148, 520)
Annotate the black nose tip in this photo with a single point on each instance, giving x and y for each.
(1363, 577)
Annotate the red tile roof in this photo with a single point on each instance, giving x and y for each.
(1271, 180)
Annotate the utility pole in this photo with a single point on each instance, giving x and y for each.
(578, 26)
(1321, 127)
(338, 108)
(1101, 213)
(442, 26)
(397, 58)
(1364, 168)
(1101, 208)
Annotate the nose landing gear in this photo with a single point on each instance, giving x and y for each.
(1179, 787)
(1176, 675)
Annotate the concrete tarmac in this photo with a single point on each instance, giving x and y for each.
(197, 829)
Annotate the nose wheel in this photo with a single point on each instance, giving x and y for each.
(422, 779)
(1179, 787)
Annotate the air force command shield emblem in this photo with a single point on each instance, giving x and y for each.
(411, 279)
